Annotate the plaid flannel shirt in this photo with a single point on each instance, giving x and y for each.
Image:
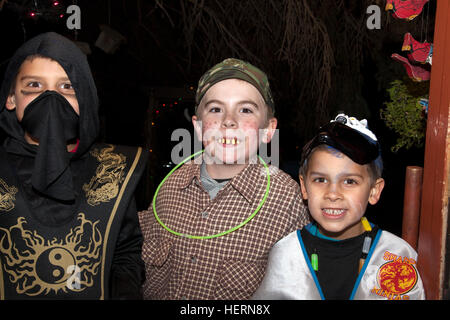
(228, 267)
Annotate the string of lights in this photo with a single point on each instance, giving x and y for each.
(35, 9)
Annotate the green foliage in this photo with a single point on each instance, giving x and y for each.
(404, 114)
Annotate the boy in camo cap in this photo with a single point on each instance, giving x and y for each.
(236, 69)
(234, 142)
(211, 197)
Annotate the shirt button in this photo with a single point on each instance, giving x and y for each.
(205, 214)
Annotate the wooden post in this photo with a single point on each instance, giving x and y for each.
(411, 205)
(434, 209)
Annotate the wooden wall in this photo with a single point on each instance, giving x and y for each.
(435, 192)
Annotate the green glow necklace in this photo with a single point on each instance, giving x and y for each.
(218, 234)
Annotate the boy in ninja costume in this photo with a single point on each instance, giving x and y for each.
(341, 255)
(218, 252)
(68, 220)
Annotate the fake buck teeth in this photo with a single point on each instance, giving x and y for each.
(228, 141)
(333, 212)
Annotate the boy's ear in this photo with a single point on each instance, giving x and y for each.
(375, 192)
(269, 131)
(11, 102)
(197, 127)
(303, 188)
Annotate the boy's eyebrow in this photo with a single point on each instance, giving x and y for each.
(213, 101)
(345, 174)
(249, 102)
(25, 77)
(316, 173)
(239, 102)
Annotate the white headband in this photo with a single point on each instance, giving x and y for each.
(352, 122)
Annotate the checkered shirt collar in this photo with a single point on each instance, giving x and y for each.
(244, 182)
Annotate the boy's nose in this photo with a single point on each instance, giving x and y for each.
(333, 193)
(229, 121)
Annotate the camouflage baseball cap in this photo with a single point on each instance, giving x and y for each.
(232, 68)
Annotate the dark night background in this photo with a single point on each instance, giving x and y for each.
(319, 56)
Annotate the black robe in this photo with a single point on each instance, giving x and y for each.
(88, 248)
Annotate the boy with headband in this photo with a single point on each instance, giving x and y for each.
(215, 219)
(341, 255)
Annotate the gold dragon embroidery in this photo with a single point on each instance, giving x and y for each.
(7, 196)
(104, 186)
(38, 266)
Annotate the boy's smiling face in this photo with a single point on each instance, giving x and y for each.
(229, 118)
(338, 190)
(36, 76)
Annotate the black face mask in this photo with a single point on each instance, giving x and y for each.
(52, 121)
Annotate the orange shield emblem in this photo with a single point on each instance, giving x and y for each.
(397, 277)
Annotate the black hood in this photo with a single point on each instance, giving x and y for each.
(74, 63)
